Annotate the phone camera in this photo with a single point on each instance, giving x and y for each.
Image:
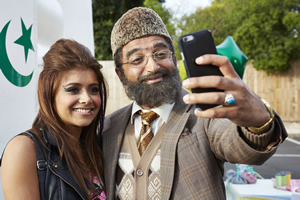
(188, 38)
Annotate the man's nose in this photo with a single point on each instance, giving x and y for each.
(151, 65)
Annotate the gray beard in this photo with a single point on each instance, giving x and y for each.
(154, 95)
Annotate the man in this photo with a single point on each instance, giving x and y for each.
(185, 157)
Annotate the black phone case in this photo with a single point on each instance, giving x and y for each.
(192, 46)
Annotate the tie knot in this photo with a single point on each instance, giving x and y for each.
(148, 117)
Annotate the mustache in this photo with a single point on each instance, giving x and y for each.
(158, 73)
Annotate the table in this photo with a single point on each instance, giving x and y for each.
(262, 190)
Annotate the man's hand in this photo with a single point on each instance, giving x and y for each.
(247, 110)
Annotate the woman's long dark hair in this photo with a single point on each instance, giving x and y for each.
(63, 56)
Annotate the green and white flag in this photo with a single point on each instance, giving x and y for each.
(18, 64)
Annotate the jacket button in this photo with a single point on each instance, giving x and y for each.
(55, 164)
(139, 172)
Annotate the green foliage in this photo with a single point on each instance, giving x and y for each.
(266, 31)
(211, 18)
(105, 14)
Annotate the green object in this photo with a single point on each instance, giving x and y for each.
(6, 66)
(283, 174)
(231, 50)
(278, 180)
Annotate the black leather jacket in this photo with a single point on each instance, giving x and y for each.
(55, 180)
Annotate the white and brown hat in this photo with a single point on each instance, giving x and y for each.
(136, 23)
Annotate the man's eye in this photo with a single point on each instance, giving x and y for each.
(161, 54)
(137, 60)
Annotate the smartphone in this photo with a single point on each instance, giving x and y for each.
(192, 46)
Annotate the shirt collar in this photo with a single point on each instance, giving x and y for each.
(163, 111)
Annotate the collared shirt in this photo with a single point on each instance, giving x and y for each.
(163, 111)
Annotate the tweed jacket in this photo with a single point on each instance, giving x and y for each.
(193, 151)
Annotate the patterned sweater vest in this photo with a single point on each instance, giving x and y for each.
(139, 177)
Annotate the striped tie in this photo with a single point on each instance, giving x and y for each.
(146, 134)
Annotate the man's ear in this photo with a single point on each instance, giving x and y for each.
(118, 72)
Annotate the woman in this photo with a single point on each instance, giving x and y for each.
(68, 127)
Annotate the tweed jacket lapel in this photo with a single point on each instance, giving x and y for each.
(174, 128)
(113, 135)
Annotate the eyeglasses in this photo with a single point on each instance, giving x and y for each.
(139, 60)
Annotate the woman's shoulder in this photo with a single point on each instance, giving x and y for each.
(18, 168)
(20, 147)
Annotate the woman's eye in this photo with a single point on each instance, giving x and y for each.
(94, 90)
(72, 90)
